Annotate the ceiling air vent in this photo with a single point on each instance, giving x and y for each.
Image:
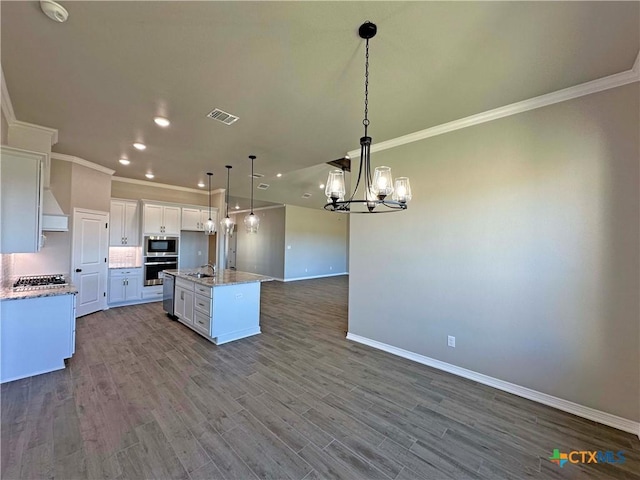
(263, 186)
(223, 117)
(306, 195)
(257, 175)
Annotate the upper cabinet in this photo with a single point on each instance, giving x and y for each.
(161, 219)
(194, 218)
(125, 223)
(21, 199)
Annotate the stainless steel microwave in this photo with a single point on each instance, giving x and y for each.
(159, 246)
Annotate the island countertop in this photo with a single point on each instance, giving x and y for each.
(226, 277)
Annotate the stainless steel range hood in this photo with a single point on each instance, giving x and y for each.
(53, 218)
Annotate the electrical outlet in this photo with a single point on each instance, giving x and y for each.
(451, 341)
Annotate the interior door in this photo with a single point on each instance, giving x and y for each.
(89, 265)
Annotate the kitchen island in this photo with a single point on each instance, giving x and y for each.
(221, 307)
(37, 330)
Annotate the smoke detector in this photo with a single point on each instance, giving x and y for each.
(54, 11)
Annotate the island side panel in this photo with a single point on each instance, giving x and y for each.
(236, 312)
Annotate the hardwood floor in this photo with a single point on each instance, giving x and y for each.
(145, 397)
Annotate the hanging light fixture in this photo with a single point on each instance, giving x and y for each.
(379, 188)
(251, 222)
(210, 225)
(226, 223)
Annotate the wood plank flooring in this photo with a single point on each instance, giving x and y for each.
(145, 397)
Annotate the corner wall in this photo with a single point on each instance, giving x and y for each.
(263, 252)
(316, 243)
(522, 241)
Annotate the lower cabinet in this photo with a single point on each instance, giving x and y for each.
(36, 335)
(125, 285)
(222, 313)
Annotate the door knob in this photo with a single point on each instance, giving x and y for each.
(78, 270)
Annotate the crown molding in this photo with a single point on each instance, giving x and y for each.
(52, 132)
(5, 100)
(588, 88)
(135, 181)
(81, 161)
(268, 207)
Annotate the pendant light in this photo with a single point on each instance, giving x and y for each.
(226, 223)
(210, 225)
(251, 222)
(380, 187)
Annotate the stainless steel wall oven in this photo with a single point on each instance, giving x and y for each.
(154, 265)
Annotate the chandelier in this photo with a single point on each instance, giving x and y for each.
(210, 225)
(379, 190)
(226, 223)
(251, 222)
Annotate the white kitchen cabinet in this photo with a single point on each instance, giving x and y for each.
(125, 285)
(183, 301)
(125, 223)
(33, 342)
(21, 200)
(194, 219)
(161, 219)
(222, 312)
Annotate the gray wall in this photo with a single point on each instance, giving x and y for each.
(316, 243)
(263, 252)
(522, 242)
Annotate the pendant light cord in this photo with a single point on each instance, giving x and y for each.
(252, 158)
(227, 195)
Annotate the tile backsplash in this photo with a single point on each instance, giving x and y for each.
(125, 257)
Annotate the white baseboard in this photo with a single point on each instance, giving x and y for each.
(315, 276)
(605, 418)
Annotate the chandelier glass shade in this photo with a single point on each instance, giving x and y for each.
(227, 224)
(381, 193)
(251, 221)
(209, 225)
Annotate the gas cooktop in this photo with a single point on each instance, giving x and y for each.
(39, 282)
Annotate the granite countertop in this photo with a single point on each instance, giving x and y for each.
(7, 293)
(226, 277)
(113, 266)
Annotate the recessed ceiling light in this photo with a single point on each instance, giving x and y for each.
(161, 121)
(139, 146)
(278, 175)
(201, 185)
(124, 161)
(322, 185)
(237, 207)
(149, 175)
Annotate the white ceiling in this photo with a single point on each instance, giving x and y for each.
(292, 72)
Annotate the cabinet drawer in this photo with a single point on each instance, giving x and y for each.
(203, 304)
(186, 284)
(203, 290)
(124, 272)
(202, 322)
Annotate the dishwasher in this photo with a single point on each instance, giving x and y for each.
(168, 292)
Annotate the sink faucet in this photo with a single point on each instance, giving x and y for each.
(212, 267)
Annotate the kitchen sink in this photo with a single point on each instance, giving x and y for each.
(199, 275)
